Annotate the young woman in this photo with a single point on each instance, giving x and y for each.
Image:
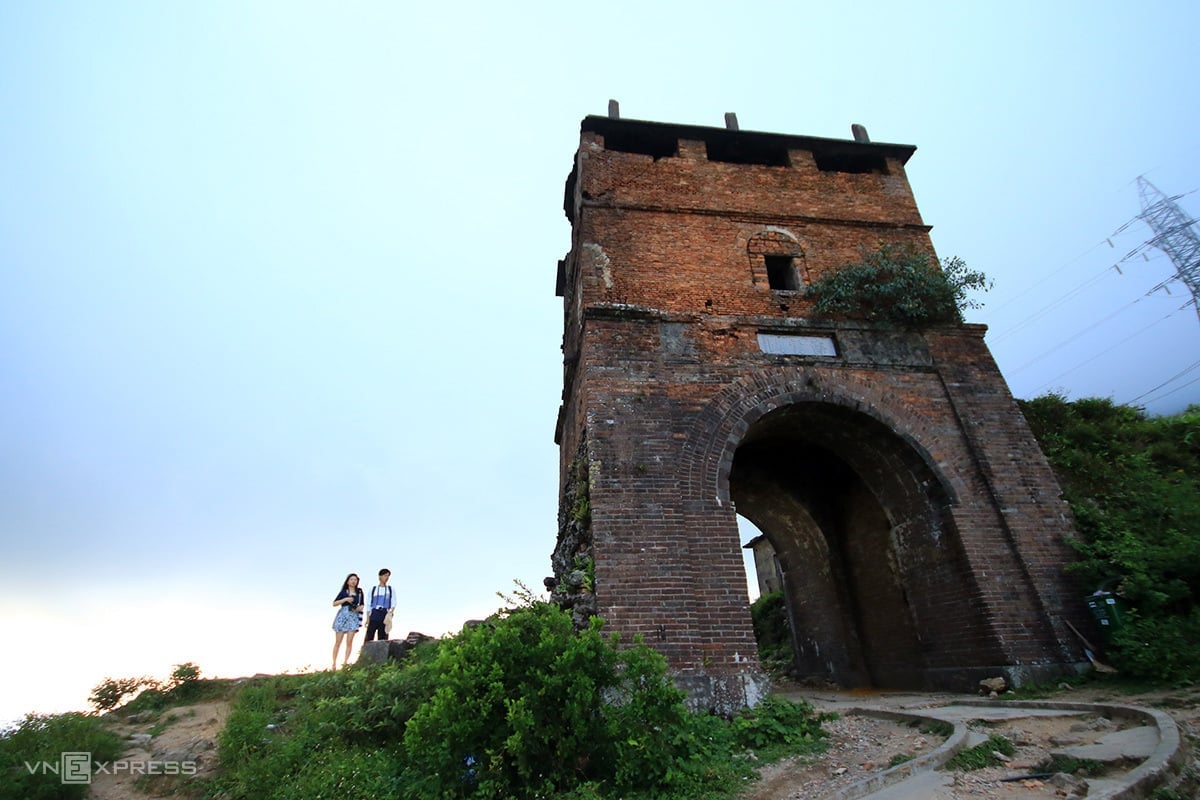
(349, 604)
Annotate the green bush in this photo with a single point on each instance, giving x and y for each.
(346, 771)
(42, 738)
(184, 675)
(773, 633)
(525, 706)
(1163, 649)
(148, 693)
(520, 706)
(898, 285)
(111, 692)
(776, 725)
(248, 730)
(1133, 484)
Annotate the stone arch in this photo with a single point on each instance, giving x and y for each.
(714, 437)
(860, 517)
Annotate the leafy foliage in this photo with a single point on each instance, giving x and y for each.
(148, 693)
(521, 706)
(183, 675)
(111, 692)
(538, 709)
(776, 722)
(898, 285)
(44, 738)
(1133, 484)
(772, 632)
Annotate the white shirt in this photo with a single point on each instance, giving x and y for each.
(382, 597)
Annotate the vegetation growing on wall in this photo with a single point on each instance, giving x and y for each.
(1133, 484)
(773, 633)
(898, 285)
(573, 585)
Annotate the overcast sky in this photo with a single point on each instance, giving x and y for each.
(278, 298)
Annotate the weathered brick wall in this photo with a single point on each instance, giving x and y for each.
(945, 509)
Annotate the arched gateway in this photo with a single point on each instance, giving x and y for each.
(919, 531)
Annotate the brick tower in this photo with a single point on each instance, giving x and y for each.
(917, 526)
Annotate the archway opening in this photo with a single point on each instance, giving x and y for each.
(856, 520)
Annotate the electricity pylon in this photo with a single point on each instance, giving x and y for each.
(1174, 234)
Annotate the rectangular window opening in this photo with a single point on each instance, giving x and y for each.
(748, 151)
(857, 163)
(650, 143)
(781, 273)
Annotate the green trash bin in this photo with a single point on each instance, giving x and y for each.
(1108, 610)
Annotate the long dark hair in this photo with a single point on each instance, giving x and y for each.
(346, 583)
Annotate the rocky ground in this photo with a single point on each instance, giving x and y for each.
(185, 736)
(858, 747)
(861, 746)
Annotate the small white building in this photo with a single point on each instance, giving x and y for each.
(766, 565)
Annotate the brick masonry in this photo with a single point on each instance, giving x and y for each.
(920, 530)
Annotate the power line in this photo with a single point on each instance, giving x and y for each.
(1175, 234)
(1067, 341)
(1176, 376)
(1035, 316)
(1173, 391)
(1108, 350)
(1035, 285)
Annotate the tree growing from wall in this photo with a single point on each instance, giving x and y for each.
(898, 285)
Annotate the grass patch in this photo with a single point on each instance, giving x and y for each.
(1036, 691)
(933, 727)
(1175, 701)
(982, 755)
(1169, 794)
(898, 759)
(163, 724)
(197, 691)
(1070, 765)
(187, 786)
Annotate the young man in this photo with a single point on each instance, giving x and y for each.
(381, 603)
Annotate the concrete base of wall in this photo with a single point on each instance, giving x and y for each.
(723, 694)
(966, 679)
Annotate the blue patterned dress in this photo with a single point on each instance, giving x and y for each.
(347, 618)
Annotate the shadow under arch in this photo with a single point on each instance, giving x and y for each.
(859, 521)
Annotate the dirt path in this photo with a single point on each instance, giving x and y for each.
(167, 751)
(858, 747)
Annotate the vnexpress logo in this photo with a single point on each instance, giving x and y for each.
(73, 768)
(76, 768)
